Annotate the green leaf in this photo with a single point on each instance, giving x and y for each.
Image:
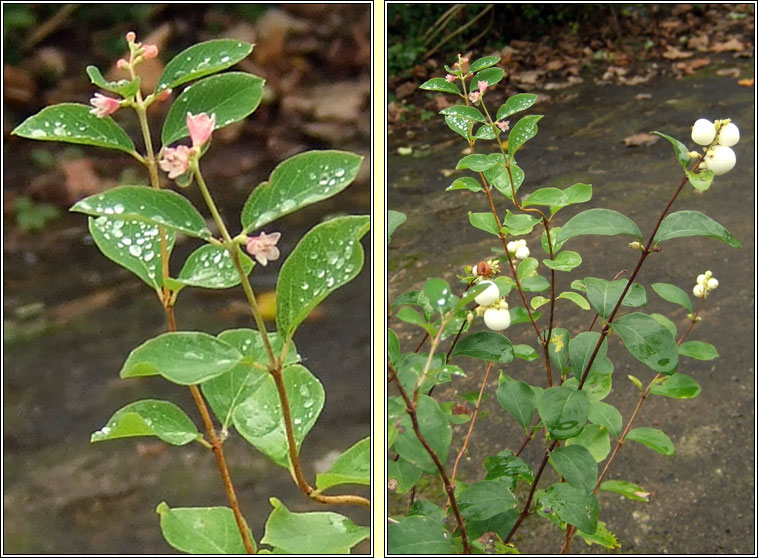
(483, 62)
(149, 417)
(434, 427)
(404, 474)
(416, 534)
(525, 352)
(297, 182)
(701, 180)
(459, 124)
(259, 418)
(210, 267)
(352, 467)
(500, 524)
(502, 182)
(518, 399)
(485, 499)
(534, 284)
(524, 130)
(606, 415)
(469, 114)
(602, 536)
(594, 438)
(674, 294)
(680, 150)
(506, 465)
(490, 75)
(74, 123)
(603, 295)
(538, 301)
(519, 224)
(665, 322)
(576, 465)
(182, 357)
(410, 316)
(652, 438)
(485, 132)
(123, 87)
(564, 261)
(485, 221)
(576, 193)
(326, 258)
(312, 532)
(698, 350)
(439, 293)
(573, 505)
(132, 244)
(581, 349)
(563, 410)
(519, 315)
(576, 298)
(140, 203)
(546, 196)
(485, 345)
(394, 220)
(558, 349)
(677, 386)
(693, 223)
(599, 381)
(514, 104)
(626, 489)
(465, 183)
(648, 341)
(201, 60)
(526, 268)
(440, 84)
(231, 97)
(228, 390)
(201, 530)
(475, 162)
(603, 222)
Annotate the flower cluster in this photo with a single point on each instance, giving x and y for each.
(493, 307)
(475, 95)
(518, 249)
(486, 268)
(706, 283)
(719, 137)
(176, 160)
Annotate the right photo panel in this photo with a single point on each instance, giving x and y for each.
(570, 279)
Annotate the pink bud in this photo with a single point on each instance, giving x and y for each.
(263, 248)
(175, 160)
(163, 95)
(103, 105)
(474, 96)
(450, 78)
(482, 86)
(122, 64)
(200, 128)
(149, 51)
(131, 37)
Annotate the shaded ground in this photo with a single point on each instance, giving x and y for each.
(703, 498)
(71, 316)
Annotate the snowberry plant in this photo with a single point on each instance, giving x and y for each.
(562, 409)
(249, 379)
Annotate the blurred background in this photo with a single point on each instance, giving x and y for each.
(71, 316)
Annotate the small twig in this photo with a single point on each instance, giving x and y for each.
(50, 25)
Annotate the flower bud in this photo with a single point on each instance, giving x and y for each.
(721, 159)
(497, 319)
(729, 135)
(489, 295)
(122, 64)
(703, 132)
(149, 51)
(131, 37)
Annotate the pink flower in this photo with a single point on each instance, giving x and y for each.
(504, 125)
(131, 37)
(175, 160)
(200, 127)
(449, 78)
(474, 96)
(263, 248)
(104, 105)
(149, 51)
(482, 86)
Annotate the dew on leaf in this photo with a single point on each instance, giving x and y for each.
(135, 251)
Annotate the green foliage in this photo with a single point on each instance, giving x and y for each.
(32, 217)
(201, 530)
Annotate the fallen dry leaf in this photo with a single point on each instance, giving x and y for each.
(405, 89)
(730, 45)
(731, 72)
(643, 139)
(690, 66)
(746, 82)
(673, 53)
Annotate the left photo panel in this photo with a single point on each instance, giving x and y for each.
(187, 279)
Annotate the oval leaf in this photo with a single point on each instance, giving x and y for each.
(201, 60)
(517, 398)
(483, 62)
(576, 465)
(231, 97)
(465, 183)
(149, 417)
(311, 533)
(297, 182)
(603, 295)
(603, 222)
(74, 123)
(182, 357)
(524, 130)
(485, 345)
(693, 223)
(132, 244)
(626, 489)
(211, 267)
(564, 261)
(674, 294)
(516, 103)
(698, 350)
(469, 114)
(123, 87)
(573, 505)
(201, 530)
(459, 124)
(352, 467)
(417, 534)
(484, 221)
(259, 418)
(140, 203)
(606, 415)
(440, 84)
(475, 162)
(563, 410)
(652, 438)
(327, 257)
(648, 341)
(435, 429)
(677, 386)
(485, 499)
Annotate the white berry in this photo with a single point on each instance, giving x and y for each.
(488, 295)
(721, 159)
(698, 290)
(703, 132)
(497, 318)
(729, 135)
(712, 284)
(522, 252)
